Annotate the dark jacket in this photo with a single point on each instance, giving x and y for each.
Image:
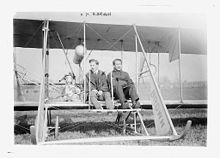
(97, 81)
(121, 77)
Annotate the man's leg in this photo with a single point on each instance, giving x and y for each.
(108, 101)
(133, 93)
(134, 96)
(130, 92)
(118, 90)
(126, 92)
(94, 101)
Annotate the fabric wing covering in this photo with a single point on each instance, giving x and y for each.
(28, 34)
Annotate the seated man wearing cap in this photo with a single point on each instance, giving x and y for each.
(70, 92)
(96, 86)
(123, 86)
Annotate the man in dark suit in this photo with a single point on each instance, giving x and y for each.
(97, 86)
(123, 86)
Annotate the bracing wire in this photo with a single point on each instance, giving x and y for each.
(120, 38)
(53, 88)
(65, 53)
(100, 35)
(31, 38)
(109, 48)
(77, 35)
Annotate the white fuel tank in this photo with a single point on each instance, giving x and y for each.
(78, 56)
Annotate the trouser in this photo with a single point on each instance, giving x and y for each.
(105, 96)
(125, 93)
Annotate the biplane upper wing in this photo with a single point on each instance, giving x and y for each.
(156, 39)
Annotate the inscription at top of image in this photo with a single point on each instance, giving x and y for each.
(96, 14)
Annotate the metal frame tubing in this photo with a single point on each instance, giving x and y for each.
(157, 88)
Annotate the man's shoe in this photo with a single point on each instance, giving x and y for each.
(99, 109)
(136, 105)
(126, 106)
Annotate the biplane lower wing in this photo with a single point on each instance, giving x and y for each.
(146, 104)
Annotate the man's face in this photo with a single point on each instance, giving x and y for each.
(94, 67)
(118, 65)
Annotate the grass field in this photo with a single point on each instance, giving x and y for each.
(81, 124)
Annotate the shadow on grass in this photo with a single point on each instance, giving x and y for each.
(22, 125)
(195, 121)
(84, 127)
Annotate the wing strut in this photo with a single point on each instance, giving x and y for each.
(41, 116)
(162, 118)
(180, 75)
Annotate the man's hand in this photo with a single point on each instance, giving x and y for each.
(100, 93)
(123, 83)
(95, 91)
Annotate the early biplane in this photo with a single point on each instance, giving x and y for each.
(175, 39)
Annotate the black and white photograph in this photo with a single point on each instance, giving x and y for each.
(110, 78)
